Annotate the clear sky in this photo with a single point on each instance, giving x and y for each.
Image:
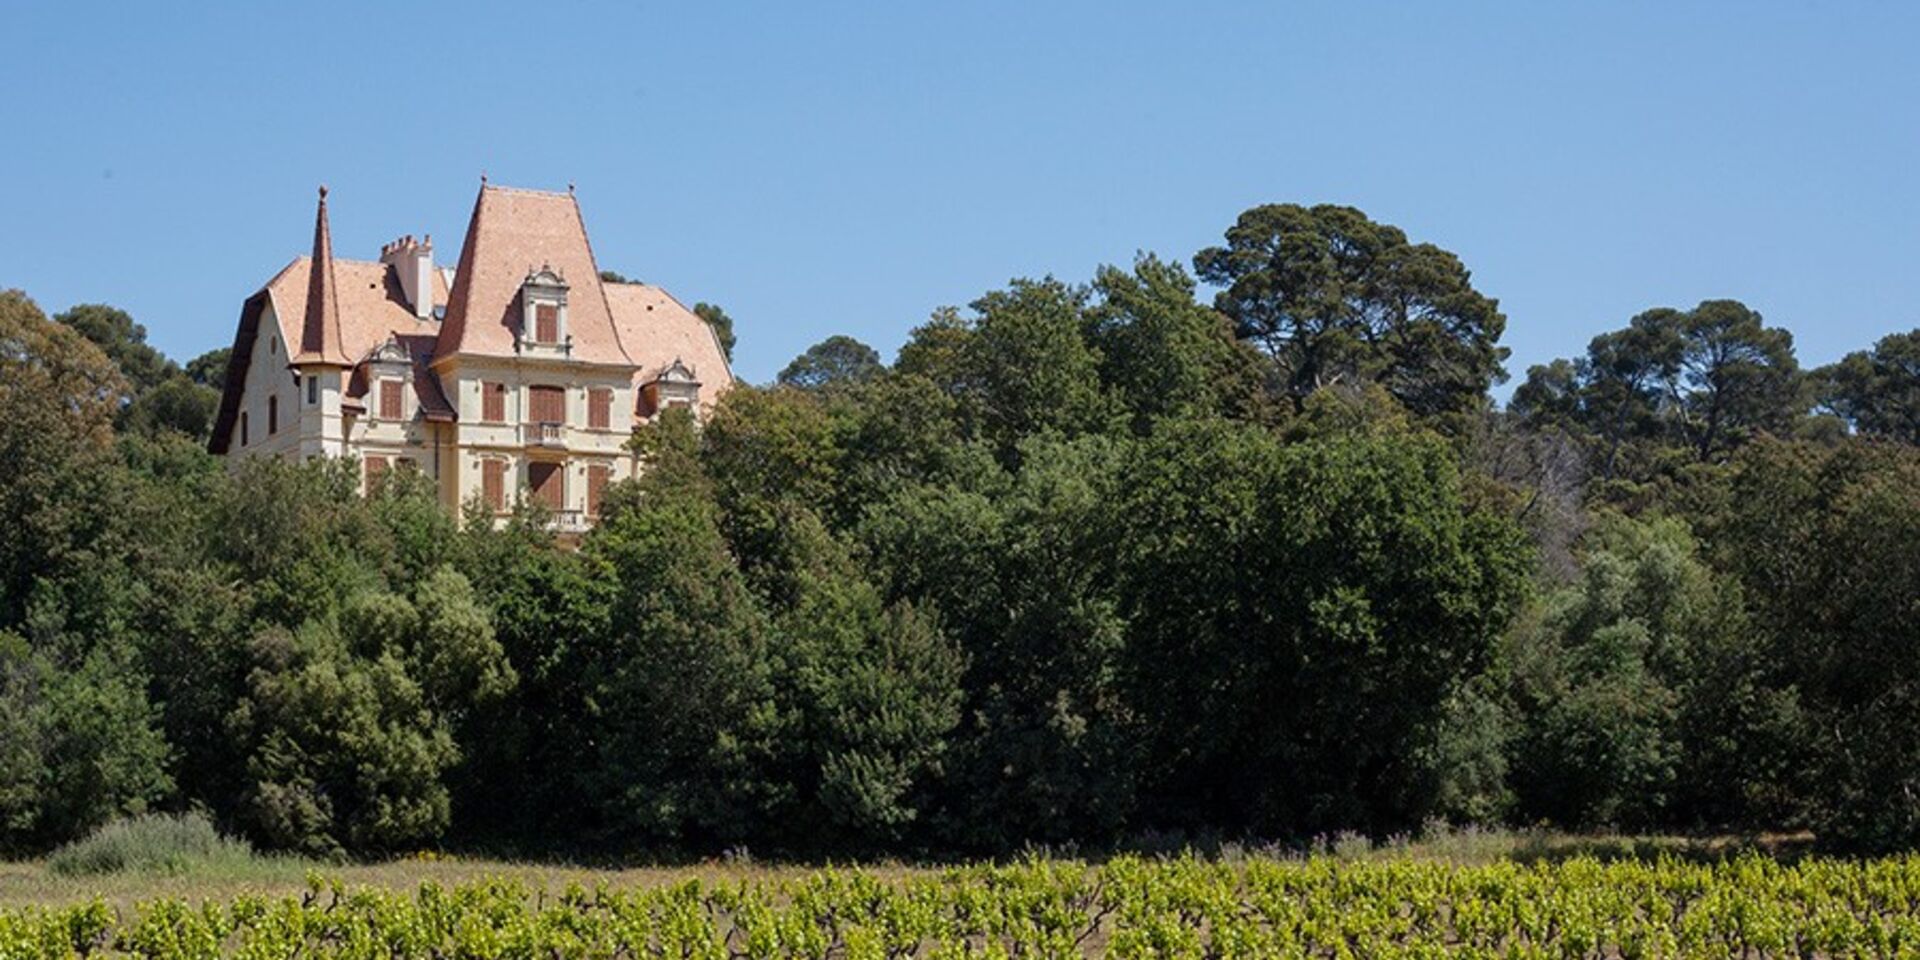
(819, 168)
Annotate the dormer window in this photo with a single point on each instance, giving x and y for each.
(676, 386)
(543, 297)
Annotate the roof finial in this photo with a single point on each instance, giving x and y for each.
(483, 178)
(323, 193)
(569, 188)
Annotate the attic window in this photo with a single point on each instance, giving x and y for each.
(543, 298)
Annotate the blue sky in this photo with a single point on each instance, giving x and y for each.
(826, 168)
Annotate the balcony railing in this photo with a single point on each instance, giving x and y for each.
(568, 521)
(546, 434)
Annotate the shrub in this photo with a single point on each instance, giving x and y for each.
(161, 843)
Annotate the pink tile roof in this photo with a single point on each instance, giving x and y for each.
(658, 329)
(512, 233)
(371, 306)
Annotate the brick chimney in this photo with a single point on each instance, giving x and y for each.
(413, 260)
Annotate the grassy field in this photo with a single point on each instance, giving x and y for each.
(33, 882)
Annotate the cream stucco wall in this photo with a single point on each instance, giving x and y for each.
(268, 376)
(450, 454)
(473, 439)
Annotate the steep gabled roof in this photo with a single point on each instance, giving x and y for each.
(370, 305)
(514, 232)
(320, 341)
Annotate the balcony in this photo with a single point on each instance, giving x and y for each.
(568, 521)
(545, 434)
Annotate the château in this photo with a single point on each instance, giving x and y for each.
(518, 372)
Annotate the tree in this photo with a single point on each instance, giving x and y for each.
(1019, 567)
(1333, 297)
(721, 323)
(837, 360)
(123, 341)
(1606, 677)
(58, 395)
(1877, 391)
(1700, 382)
(352, 724)
(1020, 367)
(1325, 602)
(176, 403)
(1822, 540)
(872, 690)
(210, 369)
(1737, 378)
(1164, 354)
(78, 746)
(680, 689)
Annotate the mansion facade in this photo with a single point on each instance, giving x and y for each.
(517, 373)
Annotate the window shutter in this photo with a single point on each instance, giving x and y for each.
(493, 483)
(493, 402)
(546, 323)
(599, 408)
(390, 405)
(548, 483)
(547, 405)
(376, 469)
(597, 475)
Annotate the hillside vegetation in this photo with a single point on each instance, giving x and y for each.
(1088, 566)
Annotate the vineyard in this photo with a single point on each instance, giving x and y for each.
(1742, 908)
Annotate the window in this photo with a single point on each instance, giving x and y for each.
(493, 484)
(313, 391)
(597, 476)
(273, 415)
(493, 402)
(273, 346)
(548, 482)
(243, 428)
(390, 405)
(546, 323)
(376, 469)
(546, 405)
(599, 408)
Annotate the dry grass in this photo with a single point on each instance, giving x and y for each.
(31, 882)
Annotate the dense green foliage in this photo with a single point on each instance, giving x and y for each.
(1126, 908)
(1087, 564)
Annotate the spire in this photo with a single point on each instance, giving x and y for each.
(320, 333)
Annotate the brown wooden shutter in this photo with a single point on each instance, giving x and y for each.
(273, 415)
(546, 323)
(390, 405)
(599, 408)
(597, 476)
(547, 405)
(376, 470)
(548, 482)
(493, 404)
(493, 483)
